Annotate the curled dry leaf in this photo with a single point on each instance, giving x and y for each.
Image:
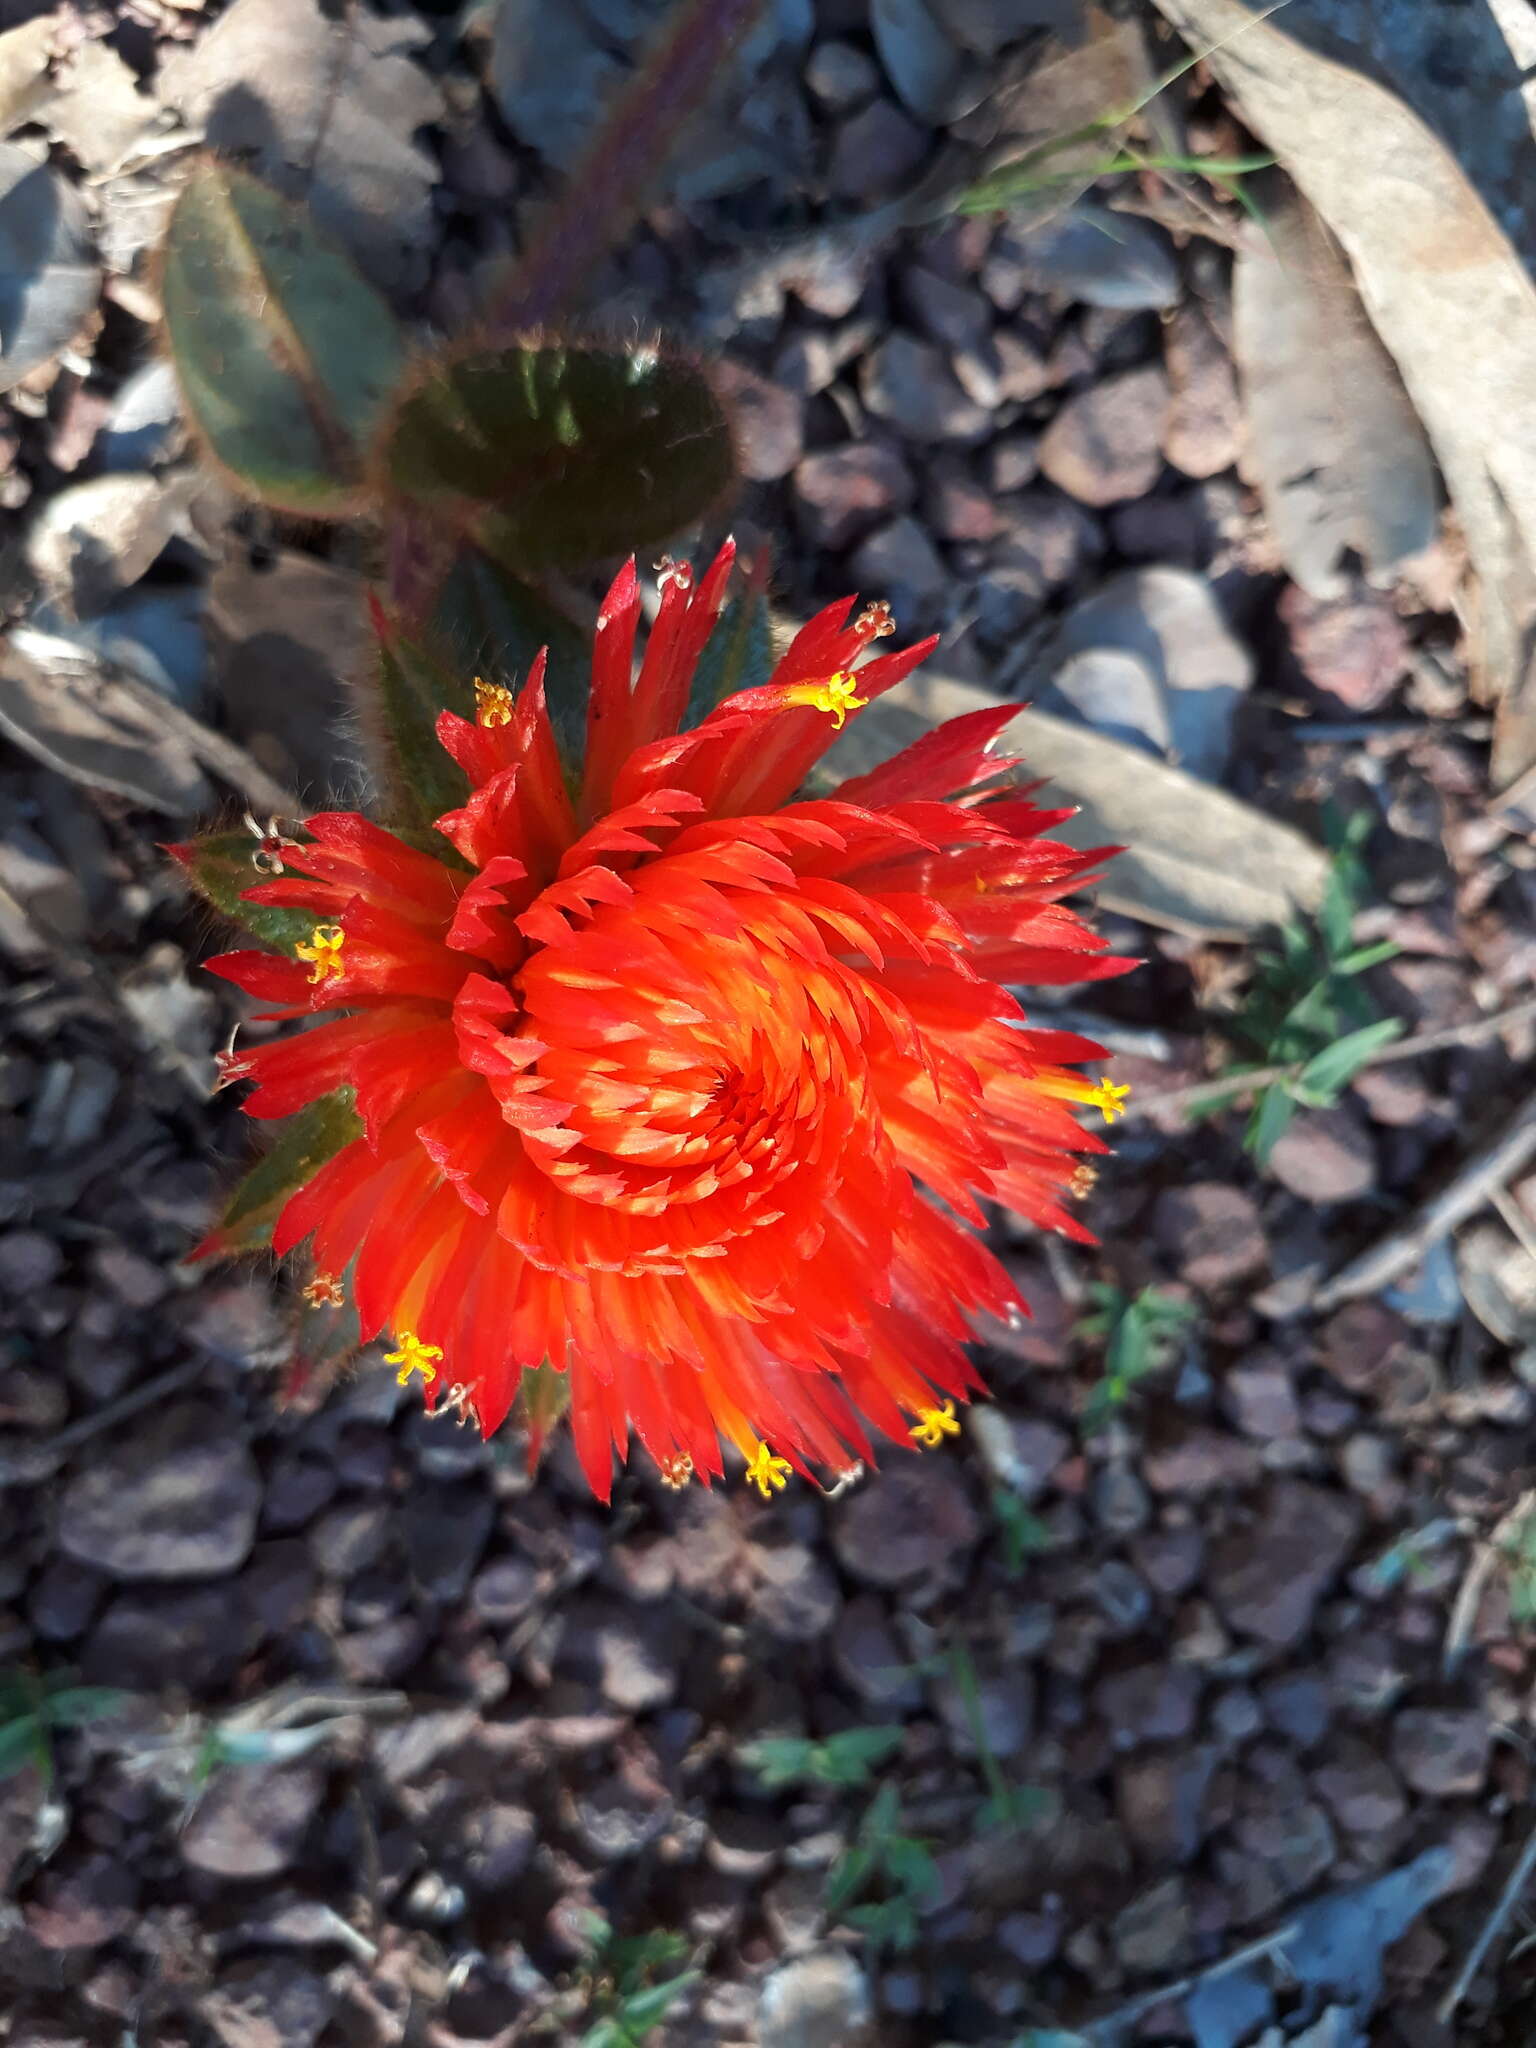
(1334, 444)
(1197, 860)
(1444, 287)
(68, 713)
(326, 110)
(48, 275)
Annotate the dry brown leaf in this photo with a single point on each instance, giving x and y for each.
(97, 110)
(328, 111)
(1196, 859)
(70, 714)
(24, 83)
(1446, 292)
(1334, 444)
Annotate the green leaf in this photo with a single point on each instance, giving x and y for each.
(642, 2010)
(285, 356)
(421, 779)
(74, 1705)
(779, 1760)
(1367, 956)
(848, 1877)
(219, 867)
(738, 655)
(305, 1142)
(552, 456)
(850, 1756)
(19, 1744)
(1270, 1121)
(491, 623)
(545, 1395)
(1322, 1078)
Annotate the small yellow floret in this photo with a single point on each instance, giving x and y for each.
(324, 1291)
(1111, 1097)
(934, 1424)
(493, 703)
(834, 695)
(323, 951)
(767, 1473)
(414, 1356)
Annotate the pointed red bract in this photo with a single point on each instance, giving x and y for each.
(687, 1086)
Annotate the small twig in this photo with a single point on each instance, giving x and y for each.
(1240, 1085)
(1462, 1197)
(1469, 1594)
(146, 1396)
(1492, 1927)
(1109, 2026)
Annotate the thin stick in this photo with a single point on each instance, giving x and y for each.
(1108, 2027)
(1240, 1085)
(1462, 1197)
(224, 757)
(1492, 1927)
(1469, 1594)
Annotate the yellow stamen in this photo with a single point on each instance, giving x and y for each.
(324, 1291)
(875, 621)
(1108, 1096)
(676, 1471)
(323, 951)
(414, 1356)
(767, 1473)
(934, 1424)
(493, 703)
(1085, 1179)
(834, 695)
(1111, 1098)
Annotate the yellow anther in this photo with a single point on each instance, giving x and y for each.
(933, 1425)
(493, 703)
(767, 1473)
(324, 1291)
(1111, 1097)
(834, 695)
(676, 1471)
(414, 1356)
(1108, 1096)
(323, 951)
(1085, 1179)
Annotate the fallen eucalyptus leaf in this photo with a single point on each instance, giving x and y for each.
(1333, 441)
(97, 111)
(24, 83)
(327, 111)
(69, 714)
(1196, 859)
(1444, 288)
(48, 275)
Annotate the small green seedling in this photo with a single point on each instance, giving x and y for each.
(33, 1707)
(1141, 1334)
(1520, 1548)
(884, 1859)
(845, 1760)
(1006, 1807)
(1306, 1007)
(625, 2004)
(1022, 1533)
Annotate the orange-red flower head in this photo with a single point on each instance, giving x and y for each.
(680, 1081)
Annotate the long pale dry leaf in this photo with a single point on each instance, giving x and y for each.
(1445, 290)
(1196, 859)
(1334, 444)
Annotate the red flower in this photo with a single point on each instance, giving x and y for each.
(681, 1082)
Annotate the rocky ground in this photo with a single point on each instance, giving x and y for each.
(1248, 1666)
